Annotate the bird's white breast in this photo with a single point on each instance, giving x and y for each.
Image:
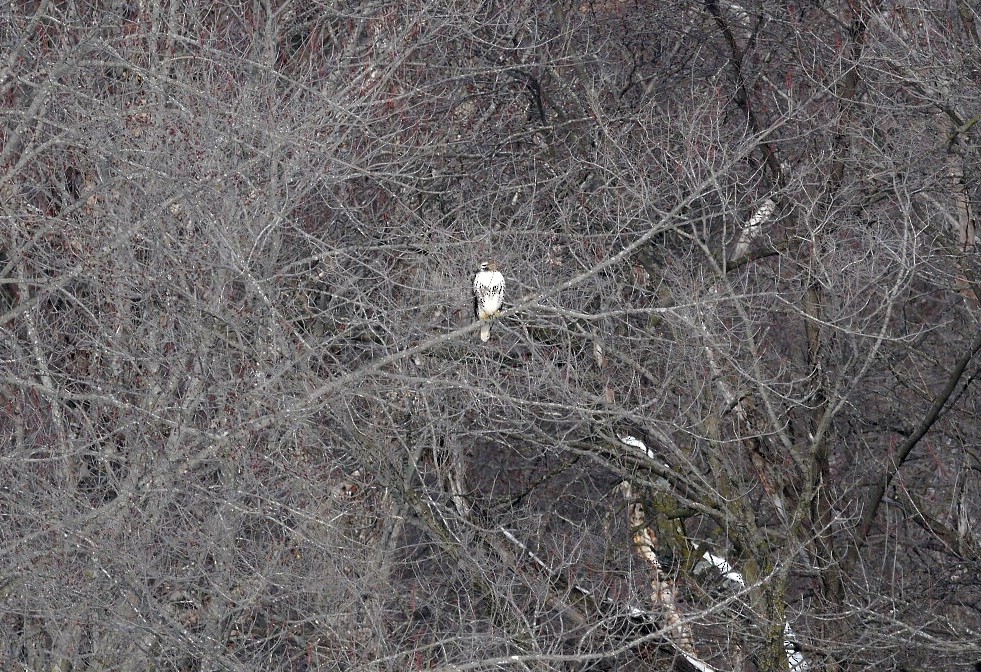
(488, 286)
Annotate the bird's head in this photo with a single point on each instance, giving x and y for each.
(488, 266)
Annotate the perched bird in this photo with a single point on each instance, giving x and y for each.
(488, 296)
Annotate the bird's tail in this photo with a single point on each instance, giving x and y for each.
(485, 331)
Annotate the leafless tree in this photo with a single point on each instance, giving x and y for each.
(727, 421)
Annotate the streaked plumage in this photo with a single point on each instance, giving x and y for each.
(488, 294)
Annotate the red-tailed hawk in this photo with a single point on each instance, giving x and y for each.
(488, 296)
